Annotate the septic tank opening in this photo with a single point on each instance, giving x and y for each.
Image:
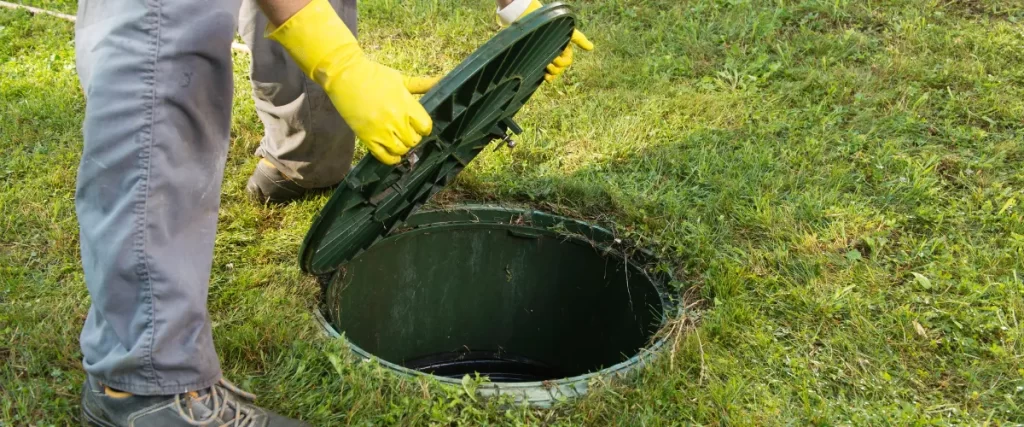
(514, 300)
(514, 295)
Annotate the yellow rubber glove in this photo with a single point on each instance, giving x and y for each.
(376, 101)
(563, 61)
(420, 85)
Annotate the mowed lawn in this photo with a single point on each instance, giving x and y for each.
(838, 184)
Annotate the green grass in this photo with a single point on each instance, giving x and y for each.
(839, 181)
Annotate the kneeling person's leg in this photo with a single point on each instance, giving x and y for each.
(306, 143)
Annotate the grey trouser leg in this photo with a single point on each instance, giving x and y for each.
(158, 83)
(304, 137)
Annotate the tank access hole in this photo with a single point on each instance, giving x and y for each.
(509, 302)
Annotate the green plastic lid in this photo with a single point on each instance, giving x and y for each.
(471, 107)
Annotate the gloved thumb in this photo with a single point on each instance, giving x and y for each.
(419, 85)
(581, 40)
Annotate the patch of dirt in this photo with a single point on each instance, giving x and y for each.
(949, 170)
(984, 8)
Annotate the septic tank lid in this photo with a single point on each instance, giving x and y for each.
(471, 107)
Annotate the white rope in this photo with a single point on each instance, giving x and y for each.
(234, 45)
(63, 16)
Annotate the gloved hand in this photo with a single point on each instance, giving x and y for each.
(376, 101)
(520, 8)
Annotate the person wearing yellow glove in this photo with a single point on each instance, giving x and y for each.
(158, 82)
(301, 130)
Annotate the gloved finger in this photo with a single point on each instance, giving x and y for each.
(383, 155)
(558, 65)
(581, 40)
(419, 119)
(565, 59)
(407, 135)
(390, 143)
(553, 70)
(419, 85)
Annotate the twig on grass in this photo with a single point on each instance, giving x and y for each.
(703, 364)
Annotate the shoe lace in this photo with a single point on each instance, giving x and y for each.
(223, 397)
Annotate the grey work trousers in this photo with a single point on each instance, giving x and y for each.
(158, 81)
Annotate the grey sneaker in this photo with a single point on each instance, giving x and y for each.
(224, 404)
(268, 185)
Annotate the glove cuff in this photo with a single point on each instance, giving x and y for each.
(515, 10)
(314, 34)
